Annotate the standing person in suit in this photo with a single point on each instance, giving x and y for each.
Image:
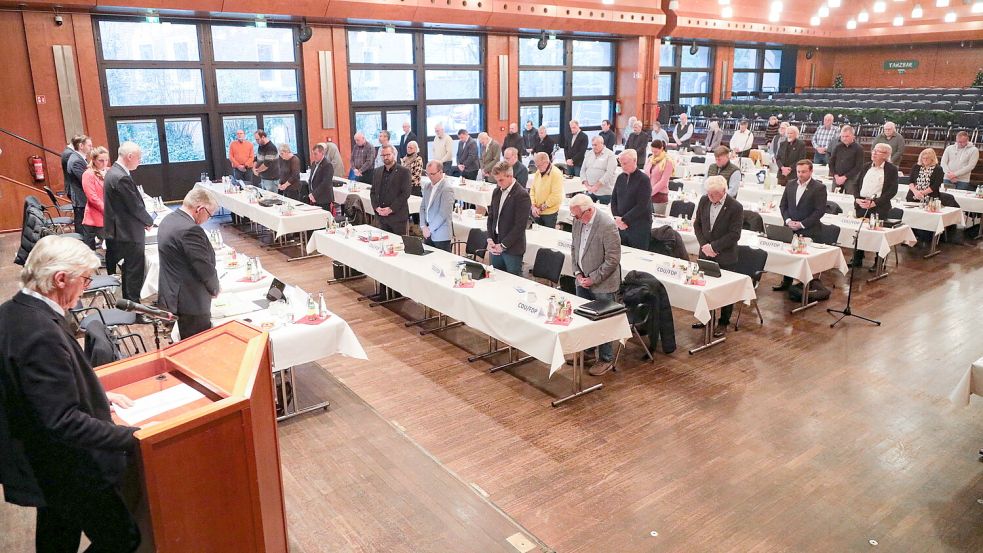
(790, 152)
(332, 155)
(125, 220)
(76, 165)
(530, 137)
(491, 153)
(803, 205)
(390, 194)
(519, 171)
(607, 135)
(467, 155)
(321, 178)
(188, 279)
(878, 186)
(599, 171)
(717, 225)
(408, 136)
(92, 185)
(682, 132)
(846, 160)
(437, 208)
(59, 449)
(443, 147)
(513, 139)
(631, 202)
(638, 140)
(507, 216)
(66, 154)
(544, 143)
(714, 136)
(595, 255)
(576, 148)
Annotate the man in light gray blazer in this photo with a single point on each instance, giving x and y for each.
(596, 260)
(437, 208)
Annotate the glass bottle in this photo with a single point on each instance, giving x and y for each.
(311, 307)
(321, 306)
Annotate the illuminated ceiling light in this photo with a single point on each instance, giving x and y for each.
(607, 2)
(917, 12)
(823, 11)
(724, 2)
(773, 17)
(852, 24)
(950, 17)
(727, 12)
(814, 21)
(879, 6)
(777, 6)
(834, 3)
(942, 3)
(898, 21)
(863, 16)
(978, 7)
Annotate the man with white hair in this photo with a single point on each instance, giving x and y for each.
(362, 159)
(791, 151)
(717, 225)
(631, 202)
(824, 139)
(125, 221)
(595, 255)
(408, 136)
(491, 154)
(682, 132)
(892, 138)
(443, 147)
(188, 279)
(575, 149)
(598, 171)
(877, 186)
(59, 448)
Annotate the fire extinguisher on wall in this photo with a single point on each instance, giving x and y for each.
(37, 168)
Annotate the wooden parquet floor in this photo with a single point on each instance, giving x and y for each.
(787, 437)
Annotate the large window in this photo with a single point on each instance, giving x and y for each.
(181, 90)
(685, 73)
(755, 70)
(423, 78)
(569, 79)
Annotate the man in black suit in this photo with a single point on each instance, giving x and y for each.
(513, 139)
(126, 220)
(321, 179)
(576, 148)
(59, 449)
(467, 156)
(631, 202)
(519, 171)
(717, 224)
(390, 194)
(75, 166)
(66, 155)
(877, 186)
(188, 279)
(790, 152)
(803, 205)
(507, 218)
(408, 136)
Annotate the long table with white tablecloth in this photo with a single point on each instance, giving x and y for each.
(303, 217)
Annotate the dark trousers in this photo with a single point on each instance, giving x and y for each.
(508, 262)
(89, 234)
(134, 270)
(79, 214)
(99, 513)
(547, 220)
(439, 244)
(395, 225)
(242, 176)
(636, 236)
(605, 351)
(603, 200)
(189, 325)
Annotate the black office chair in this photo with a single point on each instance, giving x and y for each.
(676, 186)
(753, 222)
(112, 319)
(750, 262)
(548, 265)
(833, 208)
(62, 208)
(638, 317)
(682, 208)
(475, 246)
(829, 234)
(102, 343)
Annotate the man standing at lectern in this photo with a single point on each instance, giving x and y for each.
(59, 449)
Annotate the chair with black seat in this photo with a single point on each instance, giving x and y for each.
(548, 266)
(475, 247)
(753, 221)
(354, 210)
(62, 208)
(102, 343)
(833, 208)
(58, 224)
(112, 319)
(750, 262)
(675, 185)
(682, 208)
(639, 316)
(829, 235)
(103, 286)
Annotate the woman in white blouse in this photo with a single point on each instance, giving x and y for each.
(742, 141)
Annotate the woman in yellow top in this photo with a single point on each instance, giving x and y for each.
(546, 191)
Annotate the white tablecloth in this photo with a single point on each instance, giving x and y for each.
(817, 259)
(971, 383)
(495, 306)
(305, 217)
(967, 201)
(934, 222)
(364, 192)
(230, 278)
(293, 343)
(880, 241)
(728, 289)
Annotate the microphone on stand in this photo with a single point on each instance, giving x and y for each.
(127, 305)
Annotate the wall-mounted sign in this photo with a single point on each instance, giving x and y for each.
(900, 65)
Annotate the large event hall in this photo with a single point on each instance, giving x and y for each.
(413, 276)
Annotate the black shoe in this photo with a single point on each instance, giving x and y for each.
(699, 325)
(718, 332)
(781, 287)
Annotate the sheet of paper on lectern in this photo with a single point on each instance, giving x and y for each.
(154, 404)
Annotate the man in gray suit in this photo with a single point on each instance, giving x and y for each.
(188, 278)
(467, 156)
(596, 259)
(437, 208)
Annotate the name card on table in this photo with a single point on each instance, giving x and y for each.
(770, 244)
(565, 243)
(528, 309)
(669, 272)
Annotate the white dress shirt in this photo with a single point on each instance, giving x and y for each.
(715, 211)
(51, 303)
(800, 190)
(501, 202)
(741, 141)
(873, 182)
(585, 234)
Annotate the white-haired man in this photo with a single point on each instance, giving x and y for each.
(599, 171)
(491, 154)
(876, 187)
(362, 159)
(59, 448)
(892, 138)
(443, 147)
(125, 221)
(188, 279)
(717, 225)
(595, 255)
(823, 140)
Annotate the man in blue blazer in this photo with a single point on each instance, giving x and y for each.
(437, 208)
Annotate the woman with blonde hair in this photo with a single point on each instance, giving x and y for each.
(659, 168)
(92, 185)
(926, 177)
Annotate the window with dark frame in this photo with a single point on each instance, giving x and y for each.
(756, 69)
(688, 76)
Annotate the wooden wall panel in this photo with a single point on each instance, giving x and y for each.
(939, 65)
(91, 92)
(497, 123)
(343, 134)
(724, 56)
(630, 85)
(20, 108)
(321, 40)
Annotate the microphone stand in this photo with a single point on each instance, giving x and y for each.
(846, 312)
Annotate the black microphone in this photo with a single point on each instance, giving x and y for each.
(127, 305)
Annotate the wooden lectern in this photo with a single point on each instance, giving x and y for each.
(210, 467)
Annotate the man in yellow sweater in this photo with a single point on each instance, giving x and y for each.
(546, 191)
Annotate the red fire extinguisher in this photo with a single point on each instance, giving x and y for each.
(37, 168)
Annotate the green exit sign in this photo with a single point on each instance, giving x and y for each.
(900, 65)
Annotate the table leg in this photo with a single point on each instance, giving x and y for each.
(287, 375)
(806, 304)
(441, 325)
(708, 340)
(304, 254)
(880, 266)
(578, 384)
(493, 349)
(934, 250)
(346, 272)
(513, 361)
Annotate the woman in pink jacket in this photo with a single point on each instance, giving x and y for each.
(92, 184)
(659, 169)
